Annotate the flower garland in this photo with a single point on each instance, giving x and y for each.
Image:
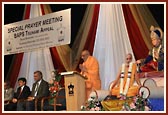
(153, 53)
(124, 92)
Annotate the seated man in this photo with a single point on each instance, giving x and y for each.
(23, 91)
(40, 89)
(90, 69)
(123, 86)
(8, 95)
(155, 58)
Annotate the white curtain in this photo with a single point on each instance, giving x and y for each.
(111, 43)
(36, 60)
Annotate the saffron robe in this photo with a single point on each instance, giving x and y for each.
(93, 82)
(133, 89)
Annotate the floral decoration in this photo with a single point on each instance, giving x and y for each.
(138, 104)
(92, 104)
(54, 85)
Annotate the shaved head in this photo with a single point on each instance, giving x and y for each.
(85, 54)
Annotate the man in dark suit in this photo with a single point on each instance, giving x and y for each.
(23, 91)
(40, 89)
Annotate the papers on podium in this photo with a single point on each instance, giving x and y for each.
(73, 72)
(68, 72)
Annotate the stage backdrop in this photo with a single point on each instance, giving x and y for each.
(108, 31)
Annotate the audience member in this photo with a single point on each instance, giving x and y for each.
(40, 89)
(8, 95)
(23, 91)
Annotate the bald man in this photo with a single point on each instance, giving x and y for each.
(128, 75)
(90, 69)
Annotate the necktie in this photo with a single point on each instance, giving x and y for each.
(36, 89)
(20, 92)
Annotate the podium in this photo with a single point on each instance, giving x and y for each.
(75, 90)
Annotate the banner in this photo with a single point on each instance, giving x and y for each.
(50, 30)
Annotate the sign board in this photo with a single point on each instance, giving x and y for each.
(49, 30)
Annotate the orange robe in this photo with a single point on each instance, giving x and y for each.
(133, 89)
(93, 81)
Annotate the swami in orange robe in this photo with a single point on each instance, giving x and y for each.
(132, 89)
(90, 69)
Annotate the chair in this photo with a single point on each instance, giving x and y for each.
(37, 103)
(58, 104)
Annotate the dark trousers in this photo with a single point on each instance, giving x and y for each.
(10, 107)
(30, 105)
(21, 106)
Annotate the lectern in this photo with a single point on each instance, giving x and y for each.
(75, 90)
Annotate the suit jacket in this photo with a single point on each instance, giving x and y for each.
(43, 89)
(24, 94)
(8, 95)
